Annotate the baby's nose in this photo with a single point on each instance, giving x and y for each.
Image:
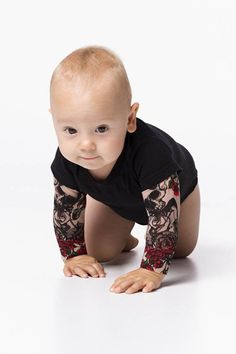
(87, 145)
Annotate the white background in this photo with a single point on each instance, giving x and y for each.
(180, 58)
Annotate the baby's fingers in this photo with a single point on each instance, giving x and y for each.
(82, 270)
(93, 269)
(99, 268)
(70, 270)
(67, 272)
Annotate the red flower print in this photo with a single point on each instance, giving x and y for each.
(175, 188)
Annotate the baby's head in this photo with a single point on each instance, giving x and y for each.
(90, 99)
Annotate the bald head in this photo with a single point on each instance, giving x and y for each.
(93, 68)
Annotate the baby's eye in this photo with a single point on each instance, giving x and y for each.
(102, 127)
(70, 129)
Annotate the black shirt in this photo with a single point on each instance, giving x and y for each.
(148, 157)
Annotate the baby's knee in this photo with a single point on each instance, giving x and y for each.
(103, 255)
(183, 253)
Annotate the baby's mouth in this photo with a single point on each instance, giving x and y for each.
(89, 158)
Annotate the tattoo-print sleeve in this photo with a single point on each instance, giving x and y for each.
(68, 222)
(162, 203)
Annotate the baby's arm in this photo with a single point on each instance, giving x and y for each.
(68, 220)
(162, 203)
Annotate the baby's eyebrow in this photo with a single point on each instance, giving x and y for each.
(64, 121)
(67, 121)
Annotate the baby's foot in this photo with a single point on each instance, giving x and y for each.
(132, 242)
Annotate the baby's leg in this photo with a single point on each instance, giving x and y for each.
(188, 224)
(106, 233)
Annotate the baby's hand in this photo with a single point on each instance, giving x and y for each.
(138, 279)
(83, 265)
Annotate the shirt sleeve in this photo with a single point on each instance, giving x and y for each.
(153, 162)
(162, 203)
(68, 211)
(64, 170)
(68, 222)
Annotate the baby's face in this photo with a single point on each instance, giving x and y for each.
(91, 125)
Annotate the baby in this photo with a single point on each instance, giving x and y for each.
(112, 170)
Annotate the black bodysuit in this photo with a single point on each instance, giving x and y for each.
(149, 156)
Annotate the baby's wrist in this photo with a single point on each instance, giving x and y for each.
(160, 275)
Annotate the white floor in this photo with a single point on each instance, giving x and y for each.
(44, 312)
